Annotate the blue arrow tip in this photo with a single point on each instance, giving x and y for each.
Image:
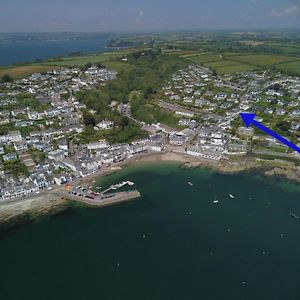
(247, 118)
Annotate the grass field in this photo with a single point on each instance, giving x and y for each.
(262, 59)
(23, 71)
(291, 67)
(235, 69)
(80, 61)
(205, 58)
(221, 63)
(18, 72)
(226, 63)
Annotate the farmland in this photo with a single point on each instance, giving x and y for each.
(291, 67)
(20, 71)
(80, 61)
(262, 59)
(222, 58)
(17, 72)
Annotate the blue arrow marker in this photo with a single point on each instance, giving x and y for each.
(249, 119)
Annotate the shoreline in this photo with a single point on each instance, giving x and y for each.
(26, 210)
(270, 168)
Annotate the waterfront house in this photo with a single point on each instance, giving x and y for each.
(177, 139)
(101, 144)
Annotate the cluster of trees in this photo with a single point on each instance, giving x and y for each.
(27, 100)
(150, 112)
(88, 65)
(98, 100)
(16, 168)
(6, 78)
(146, 72)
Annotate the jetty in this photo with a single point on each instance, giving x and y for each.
(101, 200)
(117, 186)
(87, 196)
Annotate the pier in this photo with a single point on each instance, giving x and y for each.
(101, 200)
(118, 185)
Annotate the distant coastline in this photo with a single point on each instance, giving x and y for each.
(13, 52)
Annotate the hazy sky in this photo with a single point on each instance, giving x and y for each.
(134, 15)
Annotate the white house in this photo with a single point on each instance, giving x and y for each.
(101, 144)
(104, 125)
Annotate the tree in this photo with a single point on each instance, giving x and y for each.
(283, 126)
(100, 65)
(86, 66)
(6, 78)
(89, 119)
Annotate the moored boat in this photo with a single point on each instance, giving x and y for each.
(294, 216)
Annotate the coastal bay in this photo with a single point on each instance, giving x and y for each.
(175, 241)
(24, 210)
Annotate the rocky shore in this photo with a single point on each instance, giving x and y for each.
(23, 212)
(279, 168)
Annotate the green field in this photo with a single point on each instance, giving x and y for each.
(263, 59)
(109, 59)
(235, 69)
(18, 72)
(204, 58)
(80, 61)
(291, 67)
(221, 63)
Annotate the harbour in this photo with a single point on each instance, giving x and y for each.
(173, 231)
(98, 199)
(102, 200)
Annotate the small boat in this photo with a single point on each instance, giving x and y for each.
(190, 184)
(130, 183)
(294, 216)
(231, 196)
(216, 201)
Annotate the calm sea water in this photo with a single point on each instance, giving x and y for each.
(29, 51)
(173, 243)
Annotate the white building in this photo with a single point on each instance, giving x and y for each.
(104, 125)
(98, 145)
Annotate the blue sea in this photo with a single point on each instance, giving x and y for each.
(14, 52)
(172, 243)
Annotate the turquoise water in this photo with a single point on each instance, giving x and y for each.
(173, 243)
(29, 51)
